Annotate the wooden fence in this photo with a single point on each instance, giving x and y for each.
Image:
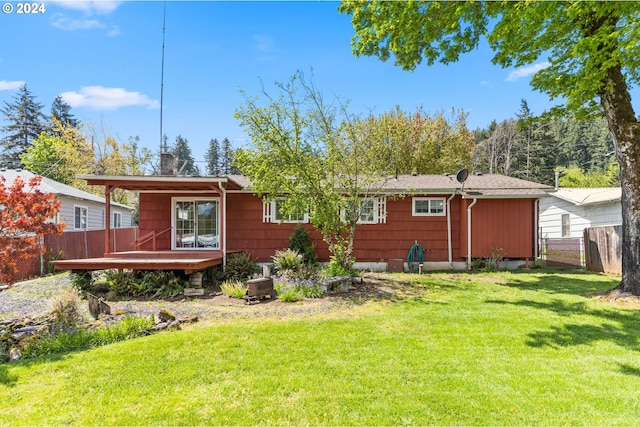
(603, 249)
(76, 245)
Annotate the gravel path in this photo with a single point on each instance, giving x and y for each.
(33, 298)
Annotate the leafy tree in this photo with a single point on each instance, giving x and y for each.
(312, 153)
(593, 57)
(185, 163)
(60, 155)
(212, 157)
(61, 111)
(25, 123)
(575, 176)
(418, 143)
(24, 218)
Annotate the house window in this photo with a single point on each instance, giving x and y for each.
(372, 211)
(429, 206)
(272, 212)
(80, 218)
(117, 219)
(195, 224)
(566, 226)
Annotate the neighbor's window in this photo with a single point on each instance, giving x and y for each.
(117, 219)
(566, 226)
(428, 206)
(80, 217)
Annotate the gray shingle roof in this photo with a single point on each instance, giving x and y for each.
(48, 185)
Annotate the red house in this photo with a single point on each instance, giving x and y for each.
(192, 223)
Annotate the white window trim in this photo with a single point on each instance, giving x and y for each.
(173, 222)
(379, 211)
(416, 199)
(562, 225)
(86, 217)
(119, 215)
(269, 211)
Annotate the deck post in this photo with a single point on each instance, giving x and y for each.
(107, 218)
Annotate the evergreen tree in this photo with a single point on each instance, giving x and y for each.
(60, 111)
(185, 164)
(25, 122)
(226, 156)
(213, 157)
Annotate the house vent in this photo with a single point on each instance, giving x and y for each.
(167, 164)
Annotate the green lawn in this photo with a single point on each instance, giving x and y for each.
(487, 349)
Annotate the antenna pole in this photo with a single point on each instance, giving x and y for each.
(164, 20)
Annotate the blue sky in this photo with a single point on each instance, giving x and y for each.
(104, 58)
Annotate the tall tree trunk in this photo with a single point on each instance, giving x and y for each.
(616, 101)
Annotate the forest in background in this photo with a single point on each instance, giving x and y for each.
(58, 146)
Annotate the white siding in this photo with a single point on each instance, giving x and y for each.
(580, 217)
(95, 213)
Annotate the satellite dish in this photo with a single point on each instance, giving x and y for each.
(462, 175)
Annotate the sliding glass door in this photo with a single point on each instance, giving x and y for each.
(195, 224)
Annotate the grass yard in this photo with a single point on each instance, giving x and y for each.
(521, 348)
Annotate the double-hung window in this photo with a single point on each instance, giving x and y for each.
(429, 206)
(117, 220)
(80, 217)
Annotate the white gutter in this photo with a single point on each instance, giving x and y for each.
(224, 223)
(449, 229)
(475, 199)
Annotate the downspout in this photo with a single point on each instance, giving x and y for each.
(224, 223)
(536, 210)
(449, 230)
(475, 199)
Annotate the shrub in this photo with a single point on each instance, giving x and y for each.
(335, 269)
(66, 306)
(233, 288)
(240, 266)
(160, 284)
(300, 241)
(288, 262)
(82, 280)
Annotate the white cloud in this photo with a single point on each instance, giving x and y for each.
(107, 98)
(89, 7)
(526, 71)
(10, 85)
(70, 24)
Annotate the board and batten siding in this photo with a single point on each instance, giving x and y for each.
(502, 224)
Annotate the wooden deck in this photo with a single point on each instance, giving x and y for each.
(189, 261)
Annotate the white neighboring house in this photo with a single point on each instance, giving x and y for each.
(79, 209)
(568, 211)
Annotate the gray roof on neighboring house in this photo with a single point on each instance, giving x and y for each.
(48, 185)
(589, 196)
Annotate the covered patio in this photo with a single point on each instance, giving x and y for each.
(191, 249)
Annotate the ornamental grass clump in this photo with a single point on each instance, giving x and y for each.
(233, 288)
(65, 306)
(288, 263)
